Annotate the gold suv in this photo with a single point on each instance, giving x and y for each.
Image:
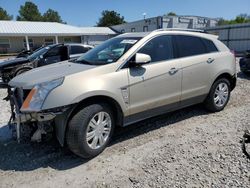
(126, 79)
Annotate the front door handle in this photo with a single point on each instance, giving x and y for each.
(172, 71)
(210, 60)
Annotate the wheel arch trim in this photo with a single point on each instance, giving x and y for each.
(232, 79)
(62, 120)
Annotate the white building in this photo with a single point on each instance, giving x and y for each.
(150, 24)
(18, 35)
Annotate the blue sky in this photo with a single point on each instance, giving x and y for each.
(87, 12)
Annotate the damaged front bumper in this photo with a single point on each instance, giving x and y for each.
(16, 97)
(22, 118)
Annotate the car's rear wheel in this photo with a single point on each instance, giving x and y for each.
(218, 96)
(90, 130)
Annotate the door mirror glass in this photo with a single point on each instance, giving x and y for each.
(142, 58)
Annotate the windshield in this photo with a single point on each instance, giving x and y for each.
(109, 51)
(37, 53)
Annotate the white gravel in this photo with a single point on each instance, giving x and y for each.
(187, 148)
(5, 115)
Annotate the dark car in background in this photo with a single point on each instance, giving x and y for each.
(44, 56)
(26, 53)
(245, 63)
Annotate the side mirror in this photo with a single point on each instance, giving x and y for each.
(41, 56)
(142, 59)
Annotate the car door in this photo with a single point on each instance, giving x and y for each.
(56, 54)
(155, 87)
(196, 67)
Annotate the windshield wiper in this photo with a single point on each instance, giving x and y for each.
(82, 61)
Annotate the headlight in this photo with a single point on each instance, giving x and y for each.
(38, 94)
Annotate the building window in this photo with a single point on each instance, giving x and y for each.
(67, 40)
(31, 43)
(122, 31)
(132, 29)
(145, 28)
(4, 43)
(48, 41)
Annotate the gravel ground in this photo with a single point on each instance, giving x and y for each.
(187, 148)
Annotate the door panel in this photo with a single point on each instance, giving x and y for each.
(152, 86)
(197, 62)
(158, 83)
(196, 76)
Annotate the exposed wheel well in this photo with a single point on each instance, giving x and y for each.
(115, 107)
(231, 79)
(22, 69)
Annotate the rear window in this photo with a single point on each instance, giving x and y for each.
(190, 46)
(78, 50)
(210, 46)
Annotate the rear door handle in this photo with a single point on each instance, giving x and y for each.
(210, 60)
(172, 71)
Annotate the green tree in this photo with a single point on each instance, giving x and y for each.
(29, 12)
(4, 15)
(223, 21)
(52, 16)
(110, 18)
(171, 14)
(242, 18)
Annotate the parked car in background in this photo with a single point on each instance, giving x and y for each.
(26, 53)
(43, 56)
(245, 63)
(124, 80)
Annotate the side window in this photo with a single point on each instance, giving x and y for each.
(53, 52)
(190, 46)
(210, 46)
(48, 41)
(4, 43)
(67, 40)
(78, 50)
(159, 48)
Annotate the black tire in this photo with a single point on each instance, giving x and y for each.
(209, 102)
(77, 130)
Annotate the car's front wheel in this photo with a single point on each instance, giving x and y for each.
(90, 129)
(218, 96)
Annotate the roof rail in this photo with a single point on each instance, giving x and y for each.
(180, 29)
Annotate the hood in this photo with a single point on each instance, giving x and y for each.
(13, 62)
(48, 73)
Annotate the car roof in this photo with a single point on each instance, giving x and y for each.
(198, 33)
(77, 44)
(139, 34)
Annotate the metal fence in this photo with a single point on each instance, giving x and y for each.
(236, 37)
